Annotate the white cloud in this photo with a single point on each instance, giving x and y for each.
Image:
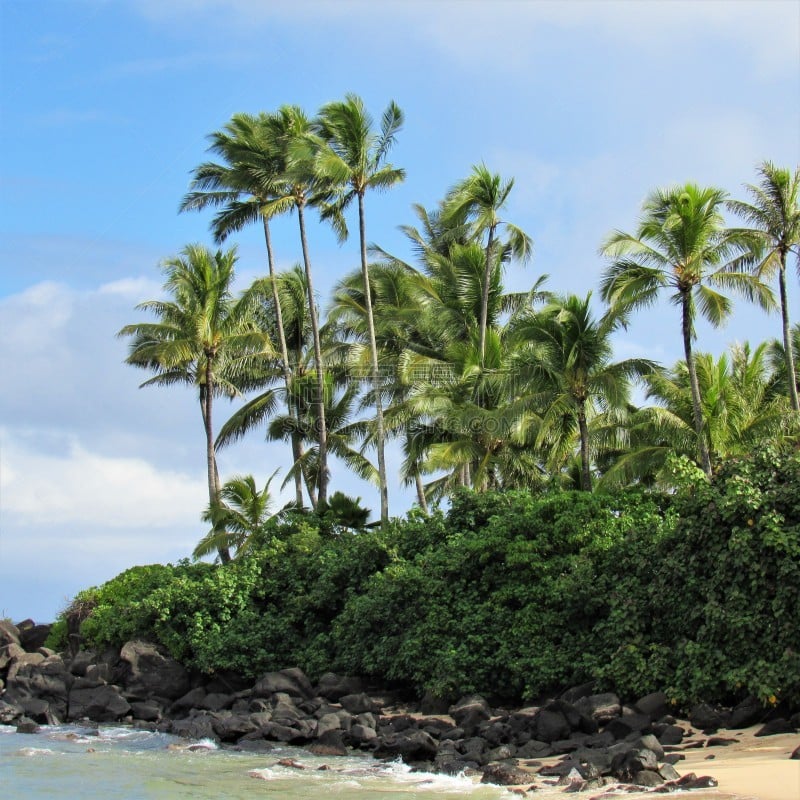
(77, 485)
(137, 289)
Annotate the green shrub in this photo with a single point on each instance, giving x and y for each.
(509, 594)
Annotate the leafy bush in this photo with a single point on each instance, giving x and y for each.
(508, 594)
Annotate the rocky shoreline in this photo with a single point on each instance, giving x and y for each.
(579, 740)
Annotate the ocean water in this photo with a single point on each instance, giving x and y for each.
(75, 763)
(71, 762)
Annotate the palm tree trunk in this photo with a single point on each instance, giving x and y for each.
(287, 372)
(322, 433)
(586, 474)
(487, 274)
(791, 373)
(206, 400)
(376, 381)
(421, 499)
(697, 408)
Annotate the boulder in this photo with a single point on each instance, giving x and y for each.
(22, 663)
(27, 725)
(198, 727)
(81, 661)
(329, 743)
(401, 722)
(505, 775)
(300, 732)
(9, 633)
(523, 721)
(504, 752)
(648, 777)
(217, 701)
(551, 725)
(626, 765)
(534, 749)
(361, 735)
(469, 712)
(284, 711)
(33, 637)
(411, 746)
(150, 671)
(289, 681)
(775, 726)
(9, 712)
(577, 692)
(602, 708)
(431, 705)
(328, 722)
(649, 742)
(358, 703)
(746, 713)
(706, 718)
(9, 652)
(333, 687)
(101, 704)
(38, 710)
(148, 711)
(497, 733)
(192, 699)
(472, 748)
(654, 705)
(671, 735)
(668, 772)
(231, 727)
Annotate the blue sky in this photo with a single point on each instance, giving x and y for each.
(105, 108)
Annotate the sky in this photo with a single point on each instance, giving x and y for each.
(105, 108)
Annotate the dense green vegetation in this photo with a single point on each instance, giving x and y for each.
(584, 538)
(511, 593)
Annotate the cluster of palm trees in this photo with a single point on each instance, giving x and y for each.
(481, 387)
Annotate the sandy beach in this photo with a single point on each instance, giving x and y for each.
(752, 767)
(749, 768)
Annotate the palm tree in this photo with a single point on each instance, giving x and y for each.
(776, 355)
(681, 244)
(774, 232)
(344, 432)
(738, 407)
(290, 287)
(248, 177)
(237, 518)
(294, 136)
(565, 354)
(353, 161)
(478, 200)
(201, 337)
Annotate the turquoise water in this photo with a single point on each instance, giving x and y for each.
(77, 763)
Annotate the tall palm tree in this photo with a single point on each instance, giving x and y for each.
(294, 134)
(248, 176)
(237, 517)
(479, 200)
(202, 337)
(353, 161)
(774, 219)
(566, 355)
(681, 244)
